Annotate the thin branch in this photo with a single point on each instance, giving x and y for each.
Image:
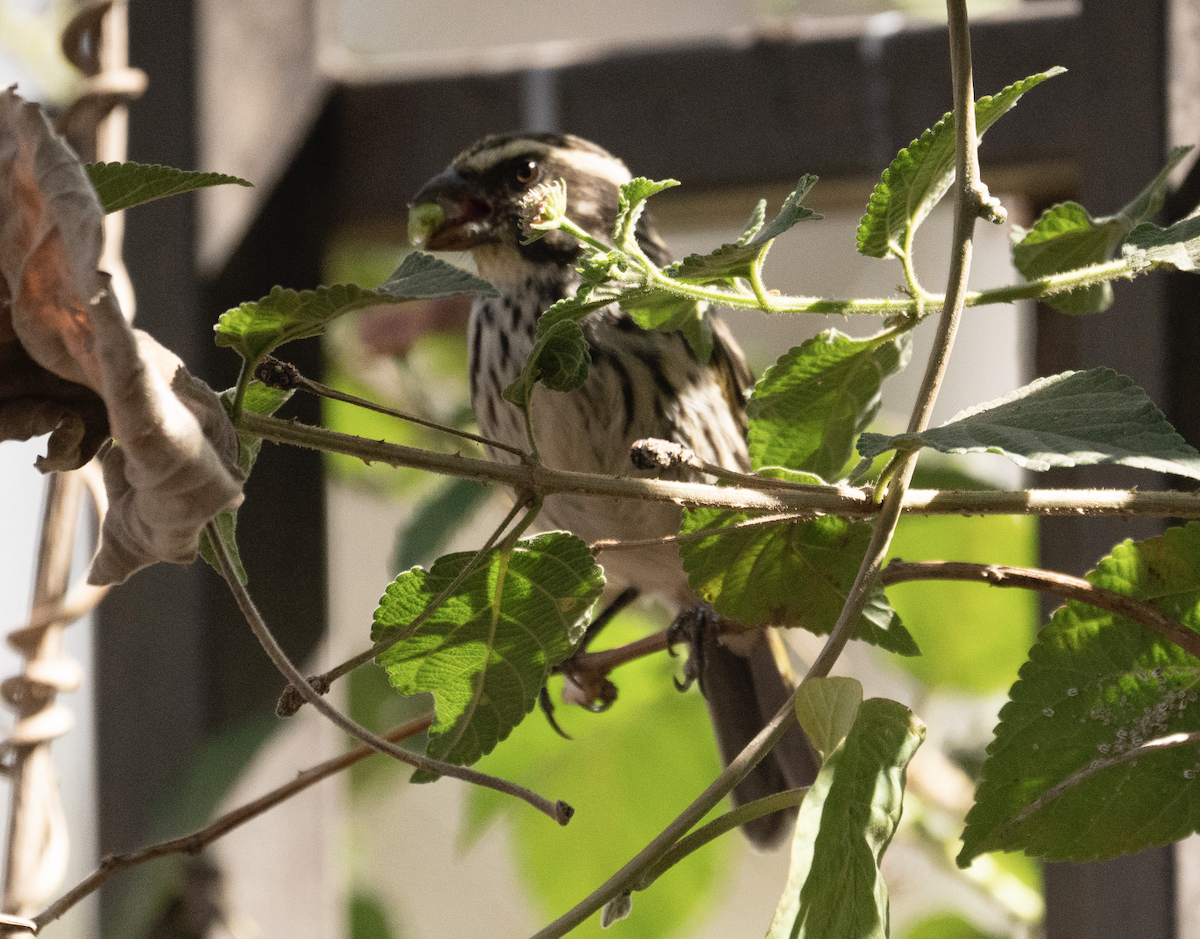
(969, 203)
(279, 374)
(1062, 585)
(559, 811)
(292, 699)
(200, 839)
(778, 496)
(718, 826)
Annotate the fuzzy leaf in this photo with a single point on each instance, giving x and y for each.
(257, 328)
(1176, 247)
(923, 172)
(786, 574)
(124, 185)
(632, 202)
(1072, 419)
(488, 650)
(1074, 772)
(808, 408)
(846, 823)
(1066, 237)
(737, 259)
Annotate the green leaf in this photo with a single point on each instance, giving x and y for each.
(257, 328)
(1072, 419)
(1066, 237)
(260, 399)
(923, 172)
(631, 203)
(826, 709)
(434, 521)
(846, 822)
(368, 918)
(737, 259)
(1176, 247)
(487, 651)
(786, 574)
(808, 408)
(1069, 775)
(622, 799)
(124, 185)
(670, 312)
(559, 359)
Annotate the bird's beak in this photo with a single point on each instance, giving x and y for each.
(449, 214)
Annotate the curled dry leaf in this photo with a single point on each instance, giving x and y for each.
(71, 365)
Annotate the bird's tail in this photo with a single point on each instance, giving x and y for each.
(744, 689)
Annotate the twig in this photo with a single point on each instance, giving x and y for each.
(201, 838)
(559, 811)
(1062, 585)
(291, 700)
(280, 374)
(969, 203)
(778, 496)
(719, 826)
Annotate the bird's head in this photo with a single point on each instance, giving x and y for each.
(475, 203)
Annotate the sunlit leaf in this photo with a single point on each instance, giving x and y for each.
(845, 825)
(1082, 767)
(486, 652)
(809, 407)
(257, 328)
(1072, 419)
(923, 172)
(1067, 237)
(788, 573)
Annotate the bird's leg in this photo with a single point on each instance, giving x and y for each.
(592, 691)
(689, 627)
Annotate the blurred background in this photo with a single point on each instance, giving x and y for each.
(338, 110)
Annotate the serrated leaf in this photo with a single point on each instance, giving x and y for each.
(922, 173)
(632, 202)
(786, 574)
(124, 185)
(1068, 776)
(559, 359)
(754, 222)
(257, 328)
(826, 709)
(1072, 419)
(260, 399)
(1176, 247)
(737, 259)
(845, 825)
(808, 408)
(1066, 237)
(487, 651)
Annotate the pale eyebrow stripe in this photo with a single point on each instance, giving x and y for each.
(588, 163)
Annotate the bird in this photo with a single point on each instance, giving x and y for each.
(641, 383)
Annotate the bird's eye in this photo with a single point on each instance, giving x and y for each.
(525, 172)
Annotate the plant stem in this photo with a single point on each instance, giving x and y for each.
(1062, 585)
(201, 838)
(969, 201)
(560, 811)
(774, 495)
